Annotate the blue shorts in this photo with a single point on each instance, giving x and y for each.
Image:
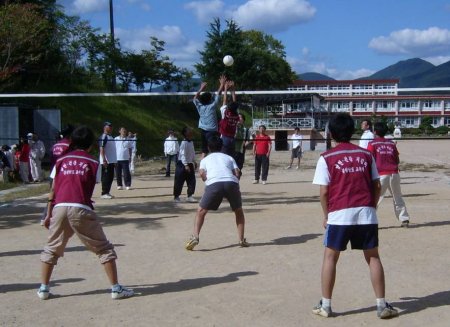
(361, 237)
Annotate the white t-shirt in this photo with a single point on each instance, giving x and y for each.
(109, 146)
(296, 140)
(366, 137)
(349, 216)
(219, 167)
(123, 146)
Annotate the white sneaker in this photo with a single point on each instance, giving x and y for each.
(191, 199)
(43, 294)
(119, 187)
(256, 181)
(123, 293)
(177, 199)
(128, 188)
(289, 167)
(264, 182)
(106, 196)
(297, 167)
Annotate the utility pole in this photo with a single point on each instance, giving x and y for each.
(113, 46)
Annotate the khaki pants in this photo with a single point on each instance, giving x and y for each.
(392, 183)
(65, 222)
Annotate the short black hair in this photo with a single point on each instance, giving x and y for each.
(184, 130)
(67, 130)
(82, 138)
(233, 107)
(342, 127)
(215, 144)
(205, 98)
(243, 116)
(380, 129)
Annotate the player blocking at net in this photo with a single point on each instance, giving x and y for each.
(220, 173)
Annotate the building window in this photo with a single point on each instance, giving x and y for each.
(447, 105)
(409, 105)
(340, 106)
(409, 122)
(385, 105)
(431, 105)
(436, 121)
(447, 121)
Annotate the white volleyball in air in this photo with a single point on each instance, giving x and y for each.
(228, 60)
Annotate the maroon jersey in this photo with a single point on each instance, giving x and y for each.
(350, 169)
(227, 126)
(59, 149)
(386, 155)
(75, 178)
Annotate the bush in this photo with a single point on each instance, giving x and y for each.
(441, 130)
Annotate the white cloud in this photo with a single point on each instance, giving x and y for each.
(433, 41)
(307, 63)
(89, 6)
(273, 15)
(178, 47)
(205, 11)
(438, 60)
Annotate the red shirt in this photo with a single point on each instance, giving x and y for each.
(262, 143)
(75, 178)
(25, 153)
(386, 155)
(351, 183)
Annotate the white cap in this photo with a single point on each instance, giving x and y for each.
(30, 134)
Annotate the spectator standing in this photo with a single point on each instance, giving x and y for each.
(296, 152)
(171, 149)
(185, 169)
(262, 146)
(23, 154)
(5, 163)
(108, 160)
(367, 136)
(387, 158)
(133, 138)
(206, 104)
(124, 149)
(37, 153)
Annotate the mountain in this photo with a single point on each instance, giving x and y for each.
(434, 77)
(403, 69)
(314, 77)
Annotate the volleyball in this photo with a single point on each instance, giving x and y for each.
(228, 60)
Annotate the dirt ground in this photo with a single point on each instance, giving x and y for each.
(275, 282)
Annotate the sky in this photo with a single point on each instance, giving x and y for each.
(344, 39)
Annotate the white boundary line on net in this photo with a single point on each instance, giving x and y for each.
(145, 94)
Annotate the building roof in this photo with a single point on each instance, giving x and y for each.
(341, 82)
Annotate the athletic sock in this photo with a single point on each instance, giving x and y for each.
(116, 287)
(44, 287)
(326, 303)
(381, 302)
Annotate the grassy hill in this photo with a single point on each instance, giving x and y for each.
(150, 117)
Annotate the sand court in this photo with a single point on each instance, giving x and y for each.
(275, 282)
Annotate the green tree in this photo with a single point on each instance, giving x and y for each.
(259, 58)
(426, 125)
(23, 30)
